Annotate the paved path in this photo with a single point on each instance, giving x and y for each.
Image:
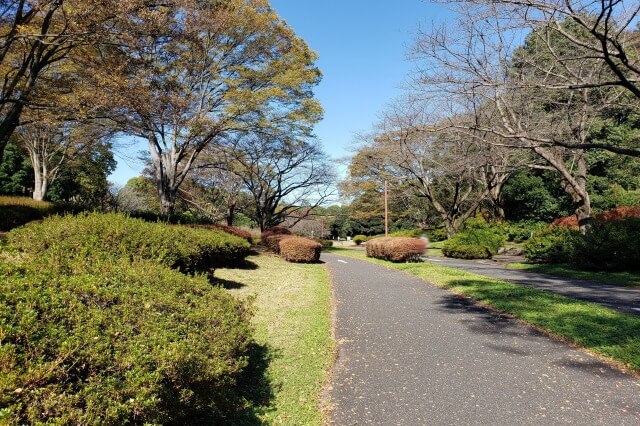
(625, 299)
(410, 353)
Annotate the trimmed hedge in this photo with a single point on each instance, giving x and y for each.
(552, 245)
(95, 235)
(300, 249)
(396, 249)
(116, 342)
(465, 251)
(326, 244)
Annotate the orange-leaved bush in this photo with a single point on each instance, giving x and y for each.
(396, 249)
(618, 213)
(272, 242)
(233, 230)
(300, 249)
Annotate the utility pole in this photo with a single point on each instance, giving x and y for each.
(386, 210)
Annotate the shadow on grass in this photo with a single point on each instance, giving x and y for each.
(254, 387)
(605, 331)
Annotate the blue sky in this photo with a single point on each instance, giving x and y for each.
(362, 47)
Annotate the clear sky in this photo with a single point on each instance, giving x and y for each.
(363, 46)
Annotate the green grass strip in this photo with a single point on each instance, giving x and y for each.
(624, 279)
(292, 321)
(603, 331)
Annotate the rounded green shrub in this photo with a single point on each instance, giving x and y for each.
(118, 343)
(458, 250)
(300, 250)
(396, 249)
(326, 244)
(552, 245)
(476, 233)
(95, 235)
(359, 239)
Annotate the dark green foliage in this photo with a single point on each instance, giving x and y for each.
(610, 246)
(16, 173)
(554, 245)
(107, 341)
(519, 232)
(16, 211)
(460, 250)
(477, 232)
(95, 235)
(531, 195)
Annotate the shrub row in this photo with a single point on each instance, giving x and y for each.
(97, 329)
(95, 235)
(611, 245)
(299, 249)
(396, 249)
(120, 343)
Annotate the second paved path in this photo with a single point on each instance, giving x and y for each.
(410, 353)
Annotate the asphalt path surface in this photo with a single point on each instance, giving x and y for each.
(410, 353)
(625, 299)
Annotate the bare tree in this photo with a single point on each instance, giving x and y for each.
(287, 178)
(482, 68)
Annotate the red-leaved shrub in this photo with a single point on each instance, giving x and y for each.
(272, 242)
(300, 249)
(276, 230)
(618, 213)
(396, 249)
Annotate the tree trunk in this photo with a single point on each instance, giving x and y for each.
(231, 213)
(40, 178)
(8, 125)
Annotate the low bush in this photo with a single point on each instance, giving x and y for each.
(272, 242)
(117, 343)
(396, 249)
(174, 218)
(552, 245)
(616, 214)
(326, 244)
(519, 232)
(359, 239)
(438, 234)
(17, 211)
(94, 235)
(477, 232)
(457, 250)
(300, 250)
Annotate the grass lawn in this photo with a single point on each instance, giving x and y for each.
(612, 334)
(626, 279)
(435, 249)
(292, 322)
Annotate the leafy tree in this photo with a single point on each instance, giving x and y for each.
(16, 175)
(199, 72)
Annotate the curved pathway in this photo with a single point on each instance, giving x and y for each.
(625, 299)
(410, 353)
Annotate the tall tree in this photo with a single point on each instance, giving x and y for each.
(200, 71)
(36, 36)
